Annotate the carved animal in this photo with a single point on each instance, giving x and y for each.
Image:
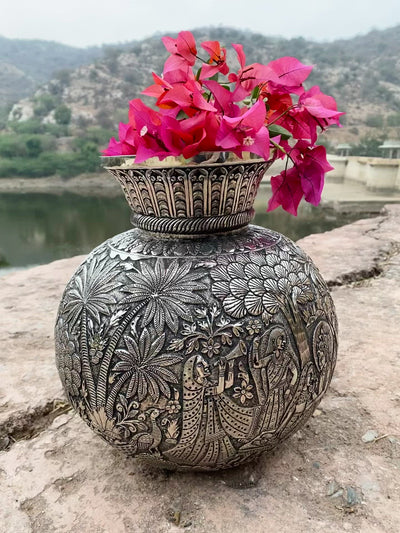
(145, 442)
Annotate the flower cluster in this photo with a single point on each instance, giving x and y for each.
(202, 106)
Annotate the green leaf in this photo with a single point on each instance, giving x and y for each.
(275, 130)
(256, 92)
(181, 115)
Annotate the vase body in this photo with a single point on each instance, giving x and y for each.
(195, 340)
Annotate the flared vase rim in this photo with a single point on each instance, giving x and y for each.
(126, 162)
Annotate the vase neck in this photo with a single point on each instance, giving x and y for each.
(192, 200)
(194, 226)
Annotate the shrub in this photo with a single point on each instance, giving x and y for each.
(35, 167)
(95, 134)
(63, 76)
(12, 146)
(62, 115)
(374, 121)
(33, 147)
(393, 120)
(20, 145)
(44, 104)
(49, 163)
(56, 130)
(368, 146)
(32, 125)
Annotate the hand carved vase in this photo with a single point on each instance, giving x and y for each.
(195, 340)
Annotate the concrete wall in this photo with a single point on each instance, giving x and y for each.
(376, 173)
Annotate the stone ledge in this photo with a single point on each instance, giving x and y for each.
(62, 477)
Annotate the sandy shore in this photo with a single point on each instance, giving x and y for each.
(86, 184)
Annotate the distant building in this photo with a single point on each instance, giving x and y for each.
(390, 149)
(343, 149)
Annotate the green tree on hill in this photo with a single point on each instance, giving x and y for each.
(62, 115)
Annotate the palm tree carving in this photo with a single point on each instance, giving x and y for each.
(161, 294)
(91, 295)
(144, 368)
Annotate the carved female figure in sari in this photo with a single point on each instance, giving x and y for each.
(275, 372)
(210, 417)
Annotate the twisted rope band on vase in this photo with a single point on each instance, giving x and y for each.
(192, 200)
(196, 353)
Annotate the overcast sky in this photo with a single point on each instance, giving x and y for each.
(90, 22)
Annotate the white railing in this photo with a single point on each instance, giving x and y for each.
(377, 173)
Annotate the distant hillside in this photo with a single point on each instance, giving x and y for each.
(362, 73)
(26, 63)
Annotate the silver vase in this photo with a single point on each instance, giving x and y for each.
(195, 340)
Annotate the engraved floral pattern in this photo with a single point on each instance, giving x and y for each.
(144, 367)
(68, 363)
(91, 291)
(202, 360)
(259, 286)
(166, 292)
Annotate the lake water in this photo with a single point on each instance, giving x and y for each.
(39, 228)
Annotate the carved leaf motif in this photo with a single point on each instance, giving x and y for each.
(166, 292)
(144, 367)
(92, 290)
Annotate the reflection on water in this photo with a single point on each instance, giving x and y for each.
(39, 228)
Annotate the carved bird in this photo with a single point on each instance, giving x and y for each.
(145, 442)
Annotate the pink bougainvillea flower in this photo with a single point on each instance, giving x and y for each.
(158, 88)
(184, 45)
(240, 54)
(312, 165)
(147, 135)
(223, 99)
(286, 191)
(186, 97)
(141, 115)
(178, 76)
(173, 81)
(249, 77)
(278, 106)
(305, 178)
(126, 143)
(182, 49)
(192, 135)
(290, 75)
(314, 109)
(217, 62)
(300, 124)
(262, 109)
(320, 106)
(245, 133)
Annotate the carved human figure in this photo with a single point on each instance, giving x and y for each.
(275, 373)
(210, 417)
(323, 346)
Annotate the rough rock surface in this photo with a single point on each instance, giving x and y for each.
(57, 476)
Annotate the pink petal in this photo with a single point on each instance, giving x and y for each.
(290, 70)
(240, 54)
(287, 191)
(260, 145)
